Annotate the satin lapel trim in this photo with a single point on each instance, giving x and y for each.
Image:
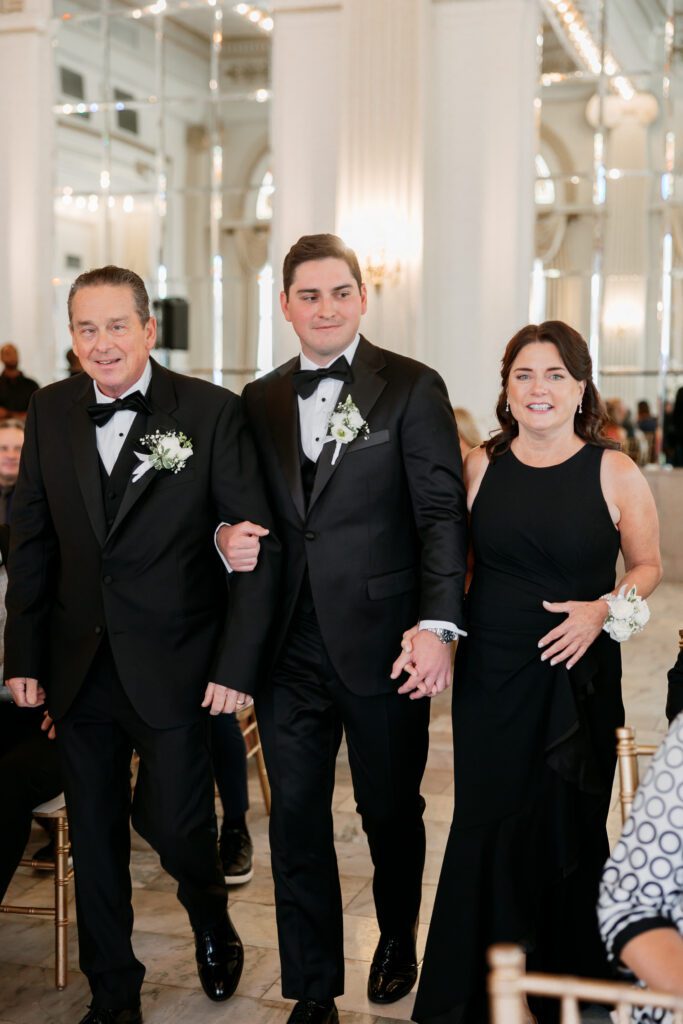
(366, 388)
(86, 461)
(283, 417)
(162, 398)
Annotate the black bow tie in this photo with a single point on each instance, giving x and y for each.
(306, 381)
(102, 412)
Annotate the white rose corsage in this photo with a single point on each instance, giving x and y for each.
(628, 614)
(166, 451)
(344, 426)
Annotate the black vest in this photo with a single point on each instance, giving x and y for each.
(114, 484)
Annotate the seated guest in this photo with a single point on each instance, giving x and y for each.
(230, 771)
(614, 428)
(27, 757)
(11, 443)
(640, 909)
(645, 420)
(15, 389)
(674, 698)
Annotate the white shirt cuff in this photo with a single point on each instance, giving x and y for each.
(438, 624)
(222, 557)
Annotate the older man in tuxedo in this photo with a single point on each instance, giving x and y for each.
(122, 619)
(363, 468)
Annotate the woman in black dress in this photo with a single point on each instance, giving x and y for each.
(537, 692)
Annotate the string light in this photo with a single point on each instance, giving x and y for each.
(577, 32)
(256, 15)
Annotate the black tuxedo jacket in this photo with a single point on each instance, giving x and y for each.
(153, 579)
(384, 534)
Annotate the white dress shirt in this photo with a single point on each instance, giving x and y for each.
(315, 411)
(112, 435)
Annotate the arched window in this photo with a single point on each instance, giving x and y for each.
(545, 186)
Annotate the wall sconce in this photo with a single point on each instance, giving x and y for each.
(380, 271)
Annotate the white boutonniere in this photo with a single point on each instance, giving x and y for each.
(344, 426)
(166, 451)
(628, 614)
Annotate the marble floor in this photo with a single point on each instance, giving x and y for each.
(162, 936)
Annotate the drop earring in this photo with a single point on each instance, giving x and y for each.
(507, 406)
(580, 410)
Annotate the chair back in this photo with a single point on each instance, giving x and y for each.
(628, 752)
(509, 985)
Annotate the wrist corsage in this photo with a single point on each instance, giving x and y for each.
(627, 614)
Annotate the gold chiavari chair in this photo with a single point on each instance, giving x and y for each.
(509, 985)
(628, 752)
(247, 723)
(56, 811)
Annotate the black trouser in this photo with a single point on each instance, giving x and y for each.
(230, 765)
(302, 714)
(172, 808)
(29, 768)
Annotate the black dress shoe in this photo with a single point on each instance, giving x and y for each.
(103, 1016)
(307, 1011)
(236, 852)
(394, 969)
(220, 959)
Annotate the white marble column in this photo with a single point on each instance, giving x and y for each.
(26, 155)
(479, 196)
(305, 113)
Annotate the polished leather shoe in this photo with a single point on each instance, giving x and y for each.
(102, 1016)
(394, 969)
(220, 959)
(307, 1011)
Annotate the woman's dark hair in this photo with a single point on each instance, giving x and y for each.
(574, 353)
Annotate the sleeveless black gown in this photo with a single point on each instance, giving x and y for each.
(534, 746)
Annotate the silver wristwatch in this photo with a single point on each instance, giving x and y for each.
(446, 636)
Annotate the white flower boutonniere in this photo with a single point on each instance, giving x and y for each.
(344, 426)
(628, 614)
(166, 451)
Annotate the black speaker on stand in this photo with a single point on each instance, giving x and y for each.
(173, 320)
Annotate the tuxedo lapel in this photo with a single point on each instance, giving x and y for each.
(283, 417)
(162, 398)
(367, 386)
(86, 460)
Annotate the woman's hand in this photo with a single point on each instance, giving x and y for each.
(572, 638)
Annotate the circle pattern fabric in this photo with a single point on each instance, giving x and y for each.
(642, 884)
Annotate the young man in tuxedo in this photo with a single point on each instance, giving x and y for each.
(119, 617)
(373, 532)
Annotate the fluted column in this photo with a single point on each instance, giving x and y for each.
(479, 182)
(305, 112)
(380, 193)
(26, 154)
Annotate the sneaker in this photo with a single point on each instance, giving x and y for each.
(236, 852)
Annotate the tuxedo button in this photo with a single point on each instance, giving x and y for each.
(310, 535)
(98, 630)
(107, 579)
(112, 494)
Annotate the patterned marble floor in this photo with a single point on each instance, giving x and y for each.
(163, 940)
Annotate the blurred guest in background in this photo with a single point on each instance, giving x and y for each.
(677, 428)
(645, 420)
(614, 427)
(11, 443)
(73, 362)
(29, 762)
(15, 389)
(468, 431)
